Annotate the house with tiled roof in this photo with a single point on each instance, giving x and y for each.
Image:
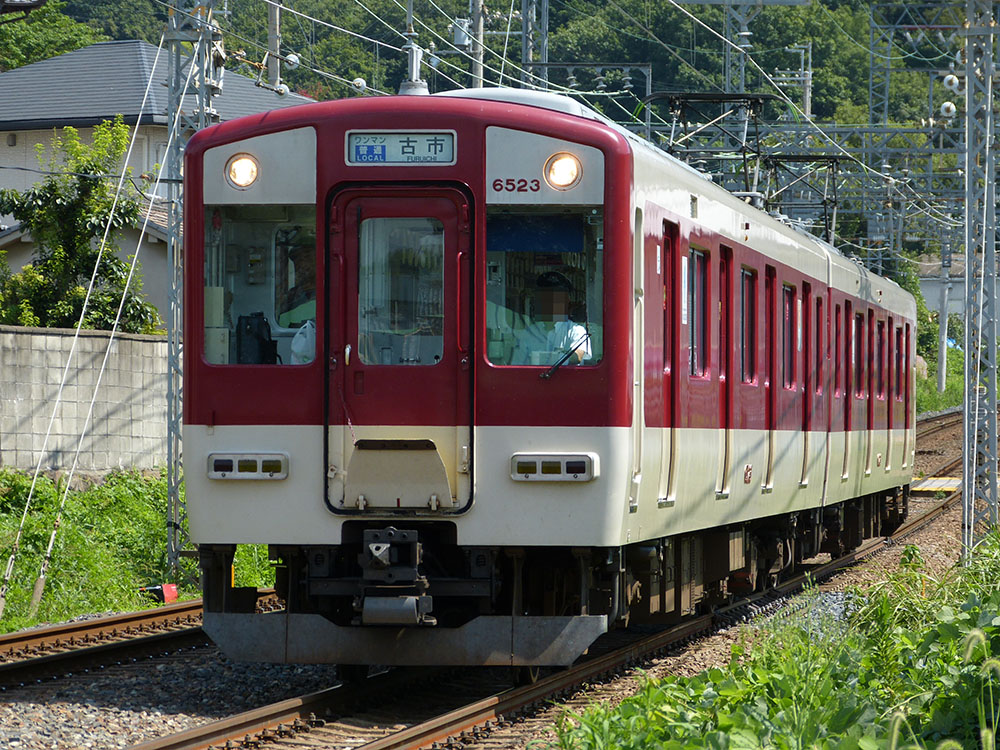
(84, 88)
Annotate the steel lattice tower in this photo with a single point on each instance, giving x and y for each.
(194, 77)
(979, 480)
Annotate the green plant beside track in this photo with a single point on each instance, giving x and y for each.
(914, 663)
(111, 542)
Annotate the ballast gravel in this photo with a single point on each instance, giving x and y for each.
(125, 705)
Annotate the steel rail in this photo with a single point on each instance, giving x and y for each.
(114, 626)
(933, 425)
(288, 716)
(19, 673)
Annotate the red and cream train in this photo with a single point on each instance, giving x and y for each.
(491, 375)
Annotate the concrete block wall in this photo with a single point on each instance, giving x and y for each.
(128, 426)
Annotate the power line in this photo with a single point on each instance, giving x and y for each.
(943, 219)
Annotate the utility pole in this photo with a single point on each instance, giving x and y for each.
(195, 58)
(412, 85)
(477, 43)
(274, 43)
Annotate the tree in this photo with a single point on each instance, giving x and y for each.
(66, 215)
(135, 19)
(45, 33)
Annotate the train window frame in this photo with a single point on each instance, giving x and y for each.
(698, 274)
(789, 336)
(247, 251)
(523, 270)
(899, 363)
(748, 325)
(880, 374)
(858, 355)
(838, 352)
(819, 347)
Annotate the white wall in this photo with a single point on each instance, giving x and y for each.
(128, 426)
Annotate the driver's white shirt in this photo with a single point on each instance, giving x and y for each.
(545, 336)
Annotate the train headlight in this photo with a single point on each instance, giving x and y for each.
(563, 171)
(242, 171)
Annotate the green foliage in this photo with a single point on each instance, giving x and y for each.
(136, 19)
(67, 214)
(111, 541)
(916, 663)
(251, 566)
(45, 33)
(928, 398)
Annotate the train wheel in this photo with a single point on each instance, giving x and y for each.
(352, 674)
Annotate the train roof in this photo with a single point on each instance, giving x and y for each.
(566, 105)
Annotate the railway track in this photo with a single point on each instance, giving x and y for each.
(932, 425)
(53, 651)
(344, 716)
(82, 633)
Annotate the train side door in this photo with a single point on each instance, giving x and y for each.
(398, 352)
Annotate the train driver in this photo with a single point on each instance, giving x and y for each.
(551, 333)
(299, 305)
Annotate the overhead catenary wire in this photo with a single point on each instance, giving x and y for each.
(311, 68)
(8, 572)
(945, 220)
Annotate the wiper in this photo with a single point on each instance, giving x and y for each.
(564, 358)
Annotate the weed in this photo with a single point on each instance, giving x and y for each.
(111, 541)
(915, 664)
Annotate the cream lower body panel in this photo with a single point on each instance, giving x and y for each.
(503, 512)
(688, 480)
(697, 479)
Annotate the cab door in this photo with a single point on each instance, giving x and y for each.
(398, 352)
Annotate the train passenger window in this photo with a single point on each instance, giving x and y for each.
(899, 363)
(697, 297)
(401, 291)
(819, 345)
(859, 355)
(880, 362)
(837, 350)
(748, 325)
(789, 338)
(260, 285)
(544, 285)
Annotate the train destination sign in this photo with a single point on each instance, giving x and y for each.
(397, 147)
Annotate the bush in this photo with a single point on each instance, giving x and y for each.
(917, 664)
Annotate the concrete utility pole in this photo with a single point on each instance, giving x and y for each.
(274, 43)
(195, 57)
(476, 8)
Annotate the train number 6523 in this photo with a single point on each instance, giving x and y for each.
(512, 185)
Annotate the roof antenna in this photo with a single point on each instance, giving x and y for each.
(412, 85)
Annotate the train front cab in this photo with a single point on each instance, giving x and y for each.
(436, 481)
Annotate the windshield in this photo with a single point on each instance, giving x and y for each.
(544, 281)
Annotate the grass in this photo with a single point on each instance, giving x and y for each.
(111, 541)
(915, 665)
(928, 398)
